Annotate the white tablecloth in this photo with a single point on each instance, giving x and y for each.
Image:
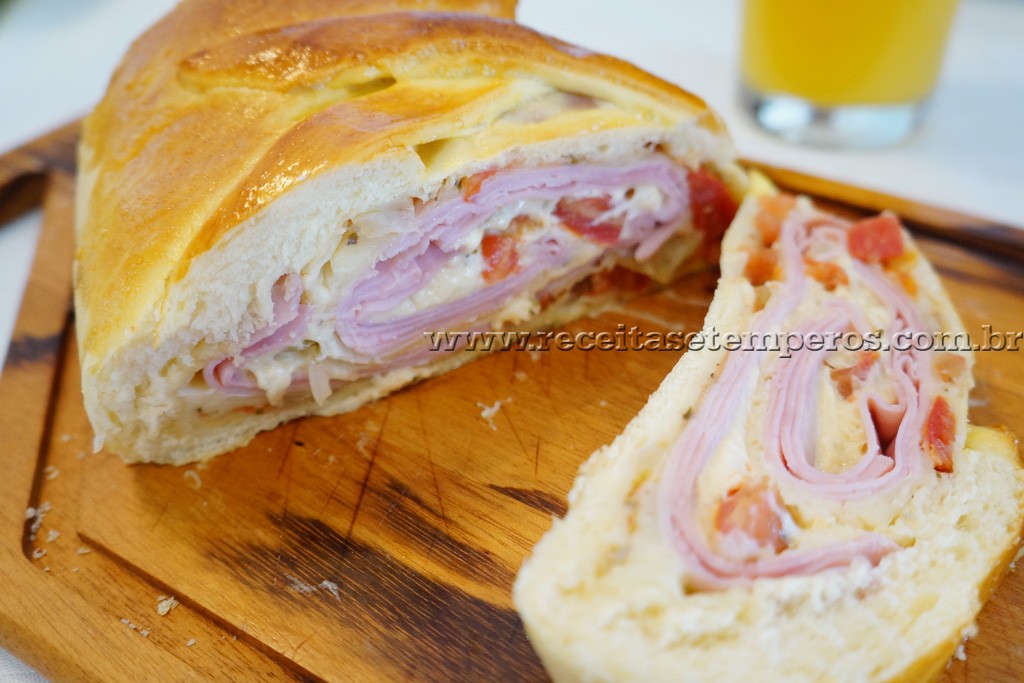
(969, 155)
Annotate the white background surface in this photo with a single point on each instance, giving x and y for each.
(58, 54)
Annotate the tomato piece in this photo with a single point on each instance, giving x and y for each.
(471, 185)
(876, 239)
(712, 207)
(827, 273)
(751, 513)
(581, 216)
(939, 433)
(761, 266)
(773, 210)
(500, 257)
(844, 377)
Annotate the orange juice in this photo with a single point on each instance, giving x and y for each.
(844, 52)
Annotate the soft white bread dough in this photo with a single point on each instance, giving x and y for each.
(237, 146)
(605, 595)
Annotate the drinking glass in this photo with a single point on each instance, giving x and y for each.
(842, 73)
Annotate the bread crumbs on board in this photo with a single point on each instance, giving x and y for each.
(487, 412)
(193, 479)
(165, 604)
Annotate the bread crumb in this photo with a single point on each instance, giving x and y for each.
(125, 621)
(144, 632)
(1020, 554)
(165, 605)
(75, 570)
(488, 412)
(39, 553)
(51, 473)
(520, 376)
(36, 515)
(299, 586)
(364, 441)
(535, 356)
(966, 633)
(64, 438)
(602, 403)
(52, 536)
(331, 587)
(191, 642)
(193, 478)
(84, 550)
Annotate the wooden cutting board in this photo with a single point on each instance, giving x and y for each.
(375, 546)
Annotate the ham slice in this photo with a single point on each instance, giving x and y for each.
(375, 338)
(287, 327)
(892, 429)
(410, 263)
(798, 508)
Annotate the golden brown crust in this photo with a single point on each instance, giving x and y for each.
(225, 105)
(994, 442)
(930, 665)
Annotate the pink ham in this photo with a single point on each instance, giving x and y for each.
(287, 327)
(381, 341)
(410, 262)
(893, 430)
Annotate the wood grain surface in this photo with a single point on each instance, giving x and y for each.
(375, 546)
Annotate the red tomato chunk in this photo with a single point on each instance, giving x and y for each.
(500, 257)
(582, 216)
(876, 239)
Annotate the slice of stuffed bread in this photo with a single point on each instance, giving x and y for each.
(278, 203)
(810, 505)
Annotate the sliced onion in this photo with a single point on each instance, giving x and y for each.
(320, 382)
(396, 217)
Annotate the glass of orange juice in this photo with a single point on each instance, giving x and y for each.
(842, 73)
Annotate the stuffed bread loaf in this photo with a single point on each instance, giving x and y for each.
(277, 200)
(796, 514)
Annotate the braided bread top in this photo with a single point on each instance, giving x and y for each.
(223, 106)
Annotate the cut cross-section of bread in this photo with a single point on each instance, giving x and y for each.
(802, 500)
(278, 201)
